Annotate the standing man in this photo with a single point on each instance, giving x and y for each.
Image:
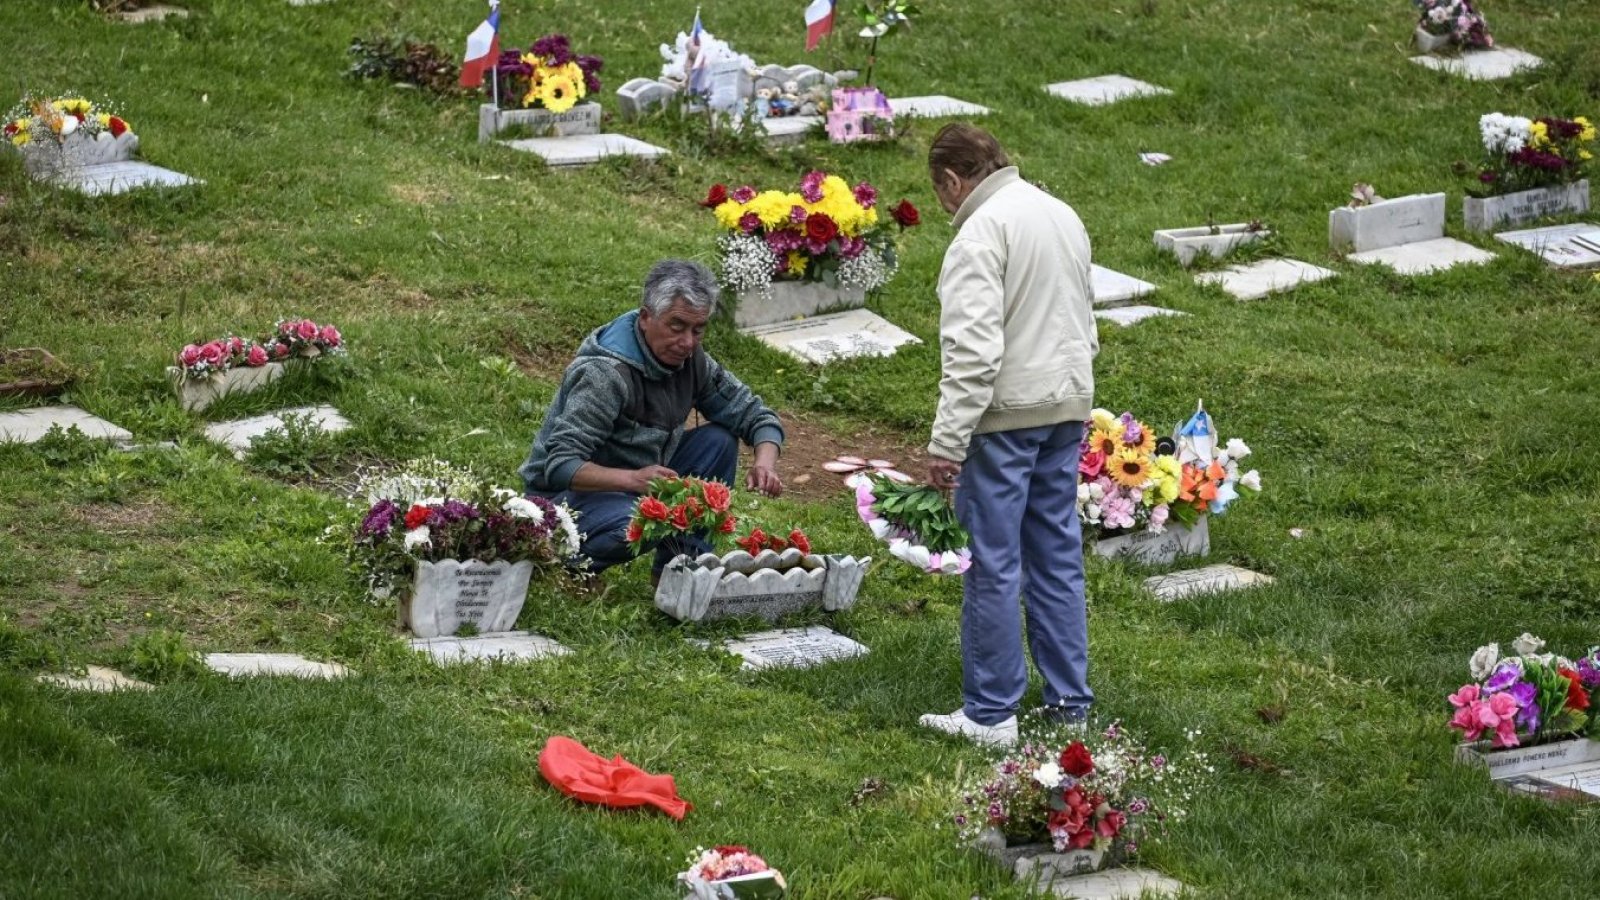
(617, 421)
(1017, 342)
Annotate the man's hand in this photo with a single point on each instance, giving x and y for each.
(944, 474)
(639, 479)
(763, 475)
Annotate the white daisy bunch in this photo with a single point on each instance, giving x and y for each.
(1505, 134)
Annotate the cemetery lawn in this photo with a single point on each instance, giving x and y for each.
(1433, 437)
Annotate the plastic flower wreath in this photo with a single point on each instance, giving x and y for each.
(915, 521)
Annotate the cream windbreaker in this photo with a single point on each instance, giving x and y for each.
(1017, 334)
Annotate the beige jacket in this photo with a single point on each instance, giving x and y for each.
(1016, 330)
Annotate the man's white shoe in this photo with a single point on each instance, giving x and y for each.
(1003, 734)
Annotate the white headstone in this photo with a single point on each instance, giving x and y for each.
(1133, 315)
(96, 678)
(730, 85)
(242, 665)
(511, 646)
(1112, 288)
(937, 106)
(1104, 89)
(824, 339)
(29, 425)
(585, 149)
(1268, 276)
(119, 178)
(1207, 580)
(1482, 65)
(1565, 246)
(1424, 257)
(1116, 884)
(238, 434)
(1386, 223)
(793, 648)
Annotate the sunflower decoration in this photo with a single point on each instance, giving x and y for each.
(1129, 468)
(559, 92)
(1105, 442)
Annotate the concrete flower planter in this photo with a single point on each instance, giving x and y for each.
(785, 300)
(195, 394)
(1157, 549)
(1386, 223)
(450, 593)
(1188, 243)
(1026, 862)
(45, 156)
(1512, 761)
(768, 586)
(581, 119)
(1428, 42)
(1522, 207)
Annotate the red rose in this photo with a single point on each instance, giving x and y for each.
(417, 516)
(117, 126)
(820, 228)
(906, 214)
(717, 496)
(679, 518)
(694, 507)
(717, 196)
(635, 532)
(731, 849)
(280, 350)
(727, 525)
(776, 544)
(1092, 464)
(1110, 824)
(1076, 761)
(653, 509)
(798, 539)
(1577, 697)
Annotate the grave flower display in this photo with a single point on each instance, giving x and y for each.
(1526, 696)
(1444, 22)
(208, 371)
(916, 521)
(731, 872)
(1532, 168)
(55, 132)
(548, 75)
(676, 506)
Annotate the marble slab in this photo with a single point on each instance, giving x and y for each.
(1424, 257)
(98, 679)
(27, 426)
(790, 129)
(792, 648)
(510, 646)
(1268, 276)
(291, 665)
(1115, 884)
(1482, 65)
(238, 434)
(937, 106)
(1104, 89)
(1386, 223)
(118, 178)
(152, 14)
(1563, 246)
(827, 338)
(585, 149)
(1133, 315)
(1206, 580)
(1112, 288)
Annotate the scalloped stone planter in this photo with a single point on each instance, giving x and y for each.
(768, 586)
(450, 593)
(1157, 549)
(786, 300)
(1188, 243)
(43, 156)
(1522, 207)
(581, 119)
(197, 394)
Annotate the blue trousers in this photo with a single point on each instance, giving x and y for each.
(709, 451)
(1018, 499)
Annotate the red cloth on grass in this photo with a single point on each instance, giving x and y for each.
(579, 773)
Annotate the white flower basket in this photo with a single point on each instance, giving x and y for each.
(45, 156)
(450, 593)
(768, 586)
(583, 118)
(1428, 42)
(785, 300)
(1487, 213)
(195, 394)
(1189, 243)
(1157, 549)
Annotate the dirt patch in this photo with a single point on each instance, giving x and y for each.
(137, 517)
(807, 444)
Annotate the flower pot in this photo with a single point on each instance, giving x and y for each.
(195, 394)
(45, 156)
(1521, 207)
(785, 300)
(32, 372)
(1156, 549)
(450, 593)
(1189, 243)
(768, 586)
(1386, 223)
(583, 118)
(1428, 42)
(1026, 862)
(757, 886)
(1528, 760)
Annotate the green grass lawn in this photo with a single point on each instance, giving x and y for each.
(1434, 437)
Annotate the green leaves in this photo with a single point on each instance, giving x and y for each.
(921, 510)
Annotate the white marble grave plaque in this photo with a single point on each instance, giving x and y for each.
(510, 646)
(291, 665)
(1565, 246)
(1115, 884)
(98, 679)
(824, 339)
(1424, 257)
(1104, 89)
(118, 178)
(1206, 580)
(27, 426)
(1386, 223)
(790, 129)
(937, 106)
(585, 149)
(793, 648)
(1482, 65)
(1133, 315)
(238, 434)
(1112, 288)
(152, 14)
(1583, 777)
(1269, 276)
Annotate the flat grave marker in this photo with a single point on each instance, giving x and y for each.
(239, 434)
(292, 665)
(98, 679)
(1206, 580)
(936, 106)
(585, 149)
(510, 646)
(1482, 65)
(1112, 288)
(826, 338)
(118, 178)
(29, 425)
(790, 129)
(1133, 315)
(1424, 257)
(1114, 884)
(792, 648)
(1269, 276)
(1564, 246)
(1104, 89)
(152, 14)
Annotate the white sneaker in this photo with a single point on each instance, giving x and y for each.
(957, 723)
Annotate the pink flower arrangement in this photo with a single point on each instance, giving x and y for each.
(729, 863)
(915, 521)
(290, 338)
(303, 337)
(1526, 696)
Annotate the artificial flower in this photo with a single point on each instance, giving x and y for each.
(1527, 645)
(1483, 662)
(653, 509)
(1075, 760)
(1129, 467)
(717, 196)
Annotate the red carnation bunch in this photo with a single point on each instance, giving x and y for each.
(758, 540)
(676, 506)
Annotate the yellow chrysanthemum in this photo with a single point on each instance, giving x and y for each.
(1539, 134)
(1585, 155)
(834, 186)
(1129, 469)
(558, 93)
(1588, 133)
(795, 262)
(772, 206)
(728, 213)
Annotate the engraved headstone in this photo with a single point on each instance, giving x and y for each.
(1133, 315)
(1564, 246)
(96, 678)
(1482, 65)
(290, 665)
(29, 425)
(796, 648)
(1268, 276)
(1207, 580)
(937, 106)
(643, 95)
(510, 646)
(585, 149)
(1104, 89)
(1112, 288)
(450, 593)
(1424, 257)
(824, 339)
(238, 435)
(118, 178)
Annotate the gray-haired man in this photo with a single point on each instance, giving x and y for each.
(618, 420)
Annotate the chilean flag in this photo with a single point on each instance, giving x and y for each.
(819, 21)
(483, 48)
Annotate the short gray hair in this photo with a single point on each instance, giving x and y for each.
(679, 279)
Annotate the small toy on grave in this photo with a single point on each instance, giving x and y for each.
(916, 521)
(731, 872)
(1527, 696)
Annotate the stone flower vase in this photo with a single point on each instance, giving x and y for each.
(769, 586)
(46, 156)
(1428, 42)
(1156, 549)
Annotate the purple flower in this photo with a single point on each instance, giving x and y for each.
(553, 47)
(1137, 806)
(1157, 761)
(380, 519)
(1588, 669)
(866, 195)
(850, 248)
(743, 194)
(1131, 432)
(997, 812)
(811, 186)
(797, 215)
(1508, 673)
(749, 222)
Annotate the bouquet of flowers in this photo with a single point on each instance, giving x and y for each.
(548, 75)
(1130, 479)
(304, 338)
(676, 506)
(1091, 790)
(915, 521)
(1522, 154)
(291, 338)
(731, 872)
(758, 540)
(1528, 696)
(41, 118)
(827, 231)
(1456, 18)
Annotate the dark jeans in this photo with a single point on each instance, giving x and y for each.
(709, 451)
